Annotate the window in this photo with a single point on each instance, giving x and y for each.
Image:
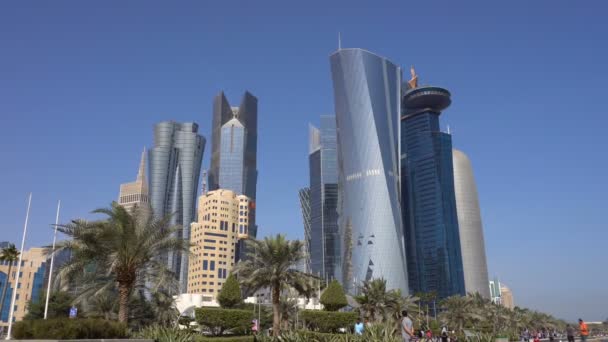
(204, 264)
(212, 265)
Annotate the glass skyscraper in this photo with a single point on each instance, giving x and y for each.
(323, 166)
(474, 263)
(429, 215)
(368, 106)
(175, 165)
(234, 145)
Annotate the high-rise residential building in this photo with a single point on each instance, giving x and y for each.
(429, 215)
(323, 167)
(506, 297)
(175, 165)
(135, 193)
(304, 195)
(495, 291)
(30, 282)
(234, 143)
(224, 218)
(473, 250)
(368, 106)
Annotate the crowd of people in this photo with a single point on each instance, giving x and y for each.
(409, 334)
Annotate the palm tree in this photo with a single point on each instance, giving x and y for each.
(378, 303)
(458, 312)
(122, 252)
(9, 254)
(271, 263)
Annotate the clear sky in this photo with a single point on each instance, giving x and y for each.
(82, 84)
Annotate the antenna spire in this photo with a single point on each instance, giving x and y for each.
(339, 41)
(448, 129)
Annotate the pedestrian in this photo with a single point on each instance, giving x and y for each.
(367, 323)
(537, 337)
(444, 334)
(584, 331)
(359, 327)
(406, 327)
(570, 333)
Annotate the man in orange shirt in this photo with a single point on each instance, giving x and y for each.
(583, 329)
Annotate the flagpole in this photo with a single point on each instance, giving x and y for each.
(12, 308)
(48, 288)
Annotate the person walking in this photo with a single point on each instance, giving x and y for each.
(359, 327)
(407, 331)
(584, 331)
(570, 333)
(444, 334)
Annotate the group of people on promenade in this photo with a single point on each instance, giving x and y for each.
(408, 334)
(583, 332)
(407, 330)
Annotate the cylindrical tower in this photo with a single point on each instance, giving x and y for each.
(469, 222)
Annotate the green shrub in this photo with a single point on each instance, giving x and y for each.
(164, 334)
(333, 298)
(230, 295)
(325, 321)
(220, 320)
(69, 329)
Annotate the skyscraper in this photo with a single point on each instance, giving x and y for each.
(223, 220)
(175, 164)
(506, 297)
(323, 167)
(429, 215)
(29, 283)
(474, 263)
(304, 195)
(135, 193)
(367, 105)
(234, 143)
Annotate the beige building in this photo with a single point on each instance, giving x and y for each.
(223, 220)
(30, 283)
(506, 297)
(135, 193)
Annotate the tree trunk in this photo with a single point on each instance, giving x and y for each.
(123, 303)
(276, 319)
(8, 279)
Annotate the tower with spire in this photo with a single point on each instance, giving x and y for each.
(135, 193)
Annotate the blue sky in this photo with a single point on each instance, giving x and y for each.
(82, 83)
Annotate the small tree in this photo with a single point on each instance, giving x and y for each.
(230, 295)
(333, 298)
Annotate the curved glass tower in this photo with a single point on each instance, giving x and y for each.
(469, 222)
(367, 105)
(175, 165)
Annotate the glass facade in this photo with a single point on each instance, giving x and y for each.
(368, 106)
(428, 198)
(175, 165)
(231, 156)
(4, 310)
(473, 250)
(324, 233)
(304, 195)
(234, 145)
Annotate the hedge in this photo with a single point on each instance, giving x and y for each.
(69, 329)
(226, 339)
(220, 320)
(326, 321)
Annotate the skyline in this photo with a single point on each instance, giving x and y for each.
(88, 107)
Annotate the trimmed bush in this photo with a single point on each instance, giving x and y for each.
(326, 321)
(230, 295)
(220, 320)
(333, 298)
(69, 329)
